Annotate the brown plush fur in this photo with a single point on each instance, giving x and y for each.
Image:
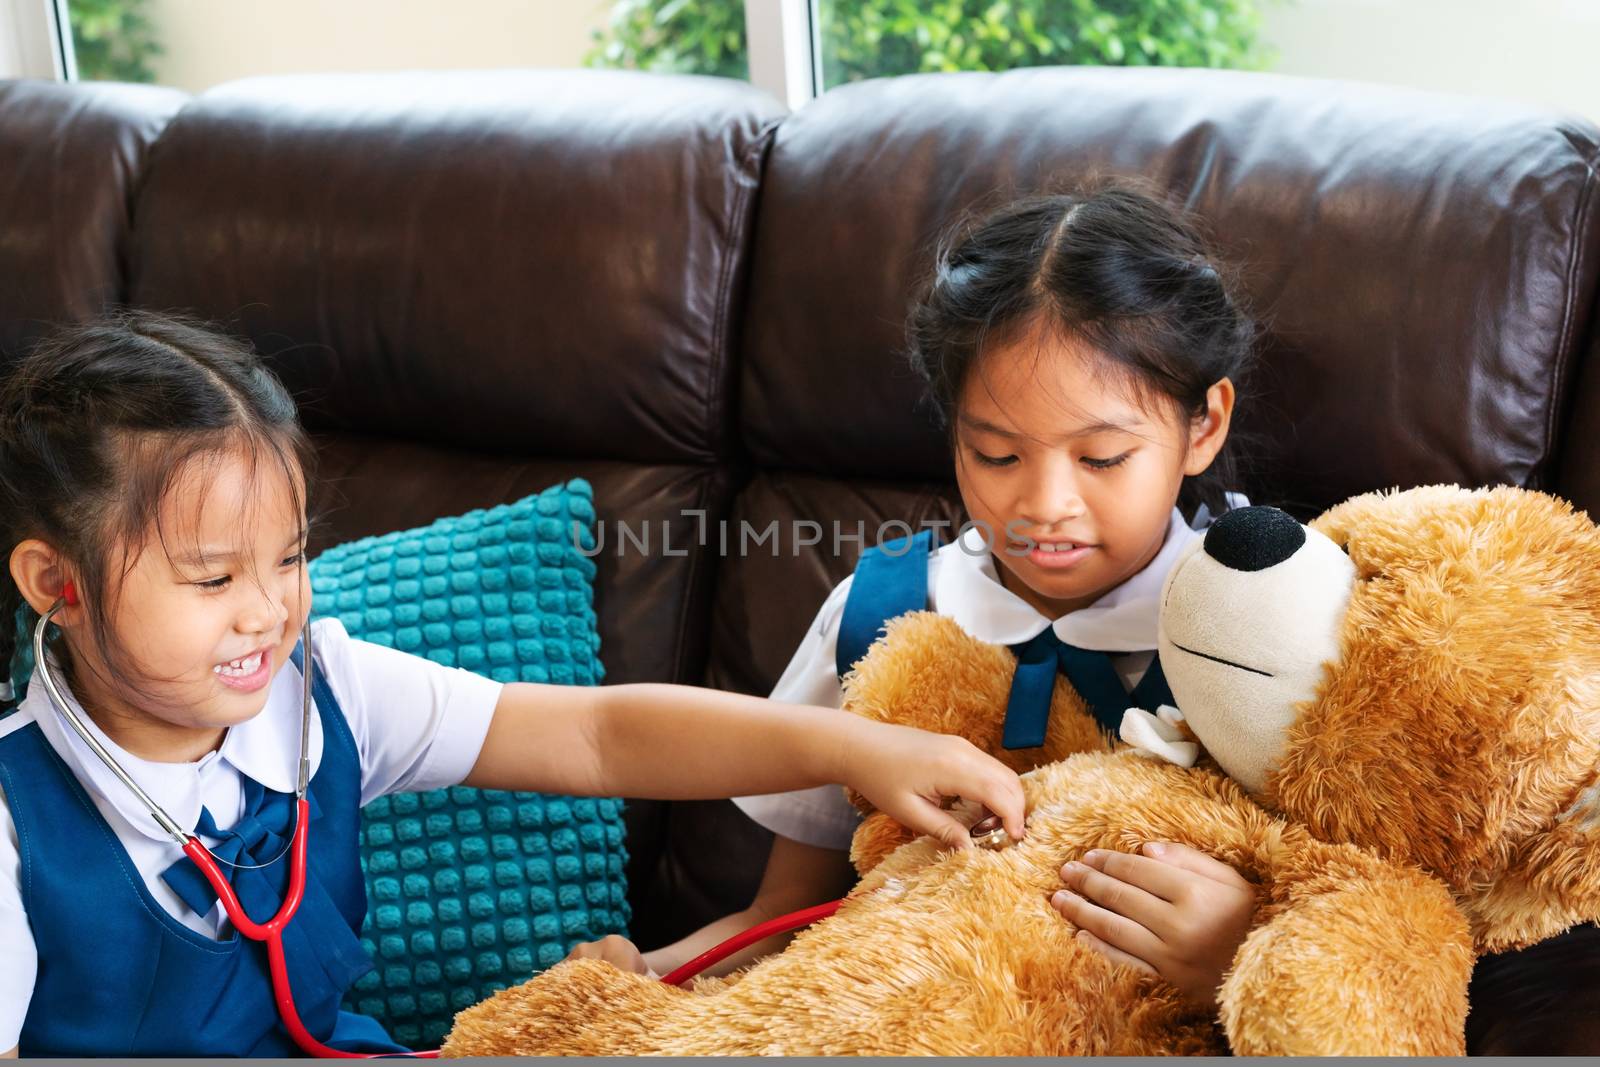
(1464, 721)
(1437, 798)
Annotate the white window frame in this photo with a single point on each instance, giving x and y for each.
(785, 49)
(36, 40)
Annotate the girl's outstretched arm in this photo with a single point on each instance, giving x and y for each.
(681, 743)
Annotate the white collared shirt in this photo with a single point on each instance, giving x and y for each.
(963, 584)
(417, 725)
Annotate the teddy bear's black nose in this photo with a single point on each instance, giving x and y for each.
(1253, 539)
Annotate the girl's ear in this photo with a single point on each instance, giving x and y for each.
(41, 575)
(1209, 430)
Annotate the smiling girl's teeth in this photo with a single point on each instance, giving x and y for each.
(239, 668)
(1057, 546)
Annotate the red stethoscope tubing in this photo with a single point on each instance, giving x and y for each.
(781, 925)
(270, 933)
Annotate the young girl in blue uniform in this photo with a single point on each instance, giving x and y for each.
(1083, 351)
(159, 471)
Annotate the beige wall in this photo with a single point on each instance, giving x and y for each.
(27, 36)
(211, 41)
(1540, 51)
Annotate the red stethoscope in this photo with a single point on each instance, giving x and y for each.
(270, 932)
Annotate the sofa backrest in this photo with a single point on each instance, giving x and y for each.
(478, 284)
(71, 157)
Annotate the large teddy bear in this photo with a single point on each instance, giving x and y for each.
(1400, 706)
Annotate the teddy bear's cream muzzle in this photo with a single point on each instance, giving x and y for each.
(1251, 615)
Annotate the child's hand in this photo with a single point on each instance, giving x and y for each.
(1174, 912)
(905, 773)
(615, 950)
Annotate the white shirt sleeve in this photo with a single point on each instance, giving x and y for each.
(20, 956)
(821, 817)
(417, 724)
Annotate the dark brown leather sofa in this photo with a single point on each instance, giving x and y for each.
(480, 283)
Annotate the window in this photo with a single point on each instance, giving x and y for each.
(835, 41)
(1536, 51)
(678, 36)
(868, 38)
(114, 40)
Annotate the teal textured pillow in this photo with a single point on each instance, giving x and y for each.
(473, 890)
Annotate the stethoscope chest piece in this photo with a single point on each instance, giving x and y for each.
(990, 833)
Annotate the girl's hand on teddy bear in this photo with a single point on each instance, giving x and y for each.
(618, 951)
(906, 773)
(1173, 911)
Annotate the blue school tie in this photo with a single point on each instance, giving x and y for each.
(1091, 674)
(324, 956)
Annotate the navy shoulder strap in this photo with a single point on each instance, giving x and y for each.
(890, 580)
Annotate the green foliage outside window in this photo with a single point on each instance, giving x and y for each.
(674, 37)
(114, 40)
(867, 38)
